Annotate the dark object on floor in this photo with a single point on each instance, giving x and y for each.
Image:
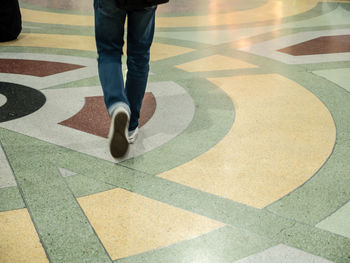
(10, 20)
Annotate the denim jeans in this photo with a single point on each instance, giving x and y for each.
(109, 34)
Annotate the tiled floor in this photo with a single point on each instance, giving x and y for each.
(243, 154)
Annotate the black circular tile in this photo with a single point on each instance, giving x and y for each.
(21, 101)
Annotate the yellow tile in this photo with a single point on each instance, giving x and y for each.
(163, 51)
(56, 18)
(281, 136)
(54, 41)
(19, 241)
(158, 51)
(215, 62)
(128, 223)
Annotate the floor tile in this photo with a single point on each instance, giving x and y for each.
(3, 100)
(338, 222)
(37, 16)
(10, 199)
(340, 76)
(223, 245)
(283, 254)
(82, 185)
(36, 68)
(215, 62)
(6, 175)
(252, 166)
(65, 172)
(339, 16)
(270, 48)
(143, 225)
(215, 37)
(19, 241)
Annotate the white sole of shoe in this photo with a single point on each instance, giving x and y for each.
(133, 137)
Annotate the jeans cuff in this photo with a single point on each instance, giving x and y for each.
(119, 104)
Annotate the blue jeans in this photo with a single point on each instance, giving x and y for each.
(109, 34)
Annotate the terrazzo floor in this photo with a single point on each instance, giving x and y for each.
(244, 147)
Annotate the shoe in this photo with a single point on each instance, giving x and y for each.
(118, 133)
(132, 135)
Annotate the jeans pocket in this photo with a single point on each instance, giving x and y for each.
(107, 7)
(149, 8)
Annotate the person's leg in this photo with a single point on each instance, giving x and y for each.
(109, 34)
(139, 41)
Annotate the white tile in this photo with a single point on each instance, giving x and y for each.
(338, 222)
(283, 254)
(65, 172)
(6, 176)
(3, 100)
(270, 48)
(341, 76)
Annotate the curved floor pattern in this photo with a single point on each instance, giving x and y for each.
(64, 103)
(272, 150)
(243, 153)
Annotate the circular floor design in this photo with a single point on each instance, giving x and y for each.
(192, 138)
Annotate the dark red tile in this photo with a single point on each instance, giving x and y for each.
(34, 67)
(93, 118)
(320, 45)
(148, 108)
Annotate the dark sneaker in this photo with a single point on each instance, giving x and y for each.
(118, 133)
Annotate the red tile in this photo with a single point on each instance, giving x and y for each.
(320, 45)
(34, 67)
(93, 118)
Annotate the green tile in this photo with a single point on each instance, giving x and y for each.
(320, 9)
(337, 16)
(346, 6)
(43, 8)
(10, 199)
(317, 242)
(82, 185)
(29, 27)
(93, 81)
(64, 230)
(214, 116)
